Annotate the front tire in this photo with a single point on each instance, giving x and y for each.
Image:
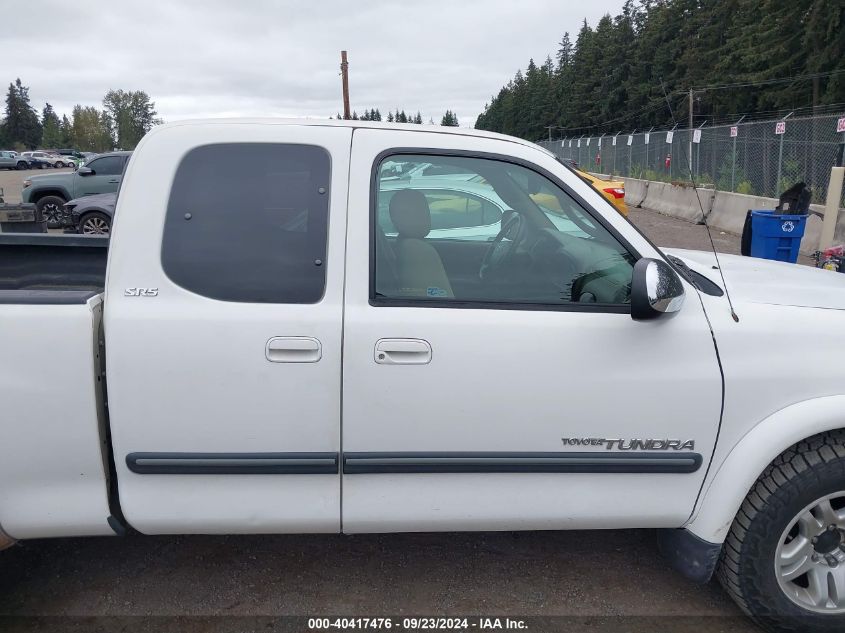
(22, 165)
(783, 561)
(51, 208)
(95, 223)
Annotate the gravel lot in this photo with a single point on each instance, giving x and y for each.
(585, 575)
(598, 581)
(11, 181)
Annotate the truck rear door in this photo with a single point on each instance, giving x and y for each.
(223, 328)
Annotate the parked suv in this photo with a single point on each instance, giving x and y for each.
(101, 174)
(70, 152)
(11, 160)
(73, 157)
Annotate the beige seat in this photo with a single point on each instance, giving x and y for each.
(419, 269)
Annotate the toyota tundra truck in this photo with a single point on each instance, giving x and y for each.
(280, 337)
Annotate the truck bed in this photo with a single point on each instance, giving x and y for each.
(51, 269)
(53, 468)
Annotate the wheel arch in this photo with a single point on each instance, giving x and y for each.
(749, 458)
(88, 210)
(49, 191)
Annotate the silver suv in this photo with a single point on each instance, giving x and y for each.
(11, 160)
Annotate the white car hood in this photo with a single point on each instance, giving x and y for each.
(755, 280)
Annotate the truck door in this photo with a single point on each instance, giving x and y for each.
(493, 376)
(224, 329)
(105, 176)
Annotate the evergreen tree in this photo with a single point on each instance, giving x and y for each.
(390, 118)
(613, 75)
(418, 118)
(449, 119)
(65, 130)
(564, 53)
(21, 127)
(51, 128)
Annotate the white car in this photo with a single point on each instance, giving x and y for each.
(289, 352)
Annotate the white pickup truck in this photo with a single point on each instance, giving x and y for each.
(287, 339)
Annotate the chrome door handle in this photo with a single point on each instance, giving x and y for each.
(402, 351)
(293, 349)
(114, 182)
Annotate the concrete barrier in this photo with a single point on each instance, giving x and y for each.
(725, 210)
(678, 201)
(635, 191)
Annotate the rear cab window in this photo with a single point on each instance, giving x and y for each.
(248, 222)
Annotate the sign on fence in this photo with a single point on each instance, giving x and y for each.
(760, 166)
(696, 136)
(647, 135)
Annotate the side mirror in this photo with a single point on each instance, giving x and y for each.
(655, 289)
(85, 171)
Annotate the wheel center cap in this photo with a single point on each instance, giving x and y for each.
(828, 542)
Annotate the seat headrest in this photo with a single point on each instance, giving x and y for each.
(410, 214)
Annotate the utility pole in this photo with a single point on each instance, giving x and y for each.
(344, 71)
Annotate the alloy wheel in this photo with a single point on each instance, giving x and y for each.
(810, 557)
(95, 226)
(51, 213)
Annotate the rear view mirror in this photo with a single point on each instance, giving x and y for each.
(656, 289)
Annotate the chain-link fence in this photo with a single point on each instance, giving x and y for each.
(761, 158)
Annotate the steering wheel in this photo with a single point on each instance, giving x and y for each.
(501, 251)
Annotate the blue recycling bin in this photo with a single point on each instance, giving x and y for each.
(776, 236)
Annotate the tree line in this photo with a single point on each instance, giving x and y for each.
(125, 117)
(735, 52)
(374, 114)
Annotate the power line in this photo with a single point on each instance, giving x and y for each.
(657, 105)
(766, 82)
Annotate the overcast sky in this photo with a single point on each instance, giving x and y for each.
(202, 58)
